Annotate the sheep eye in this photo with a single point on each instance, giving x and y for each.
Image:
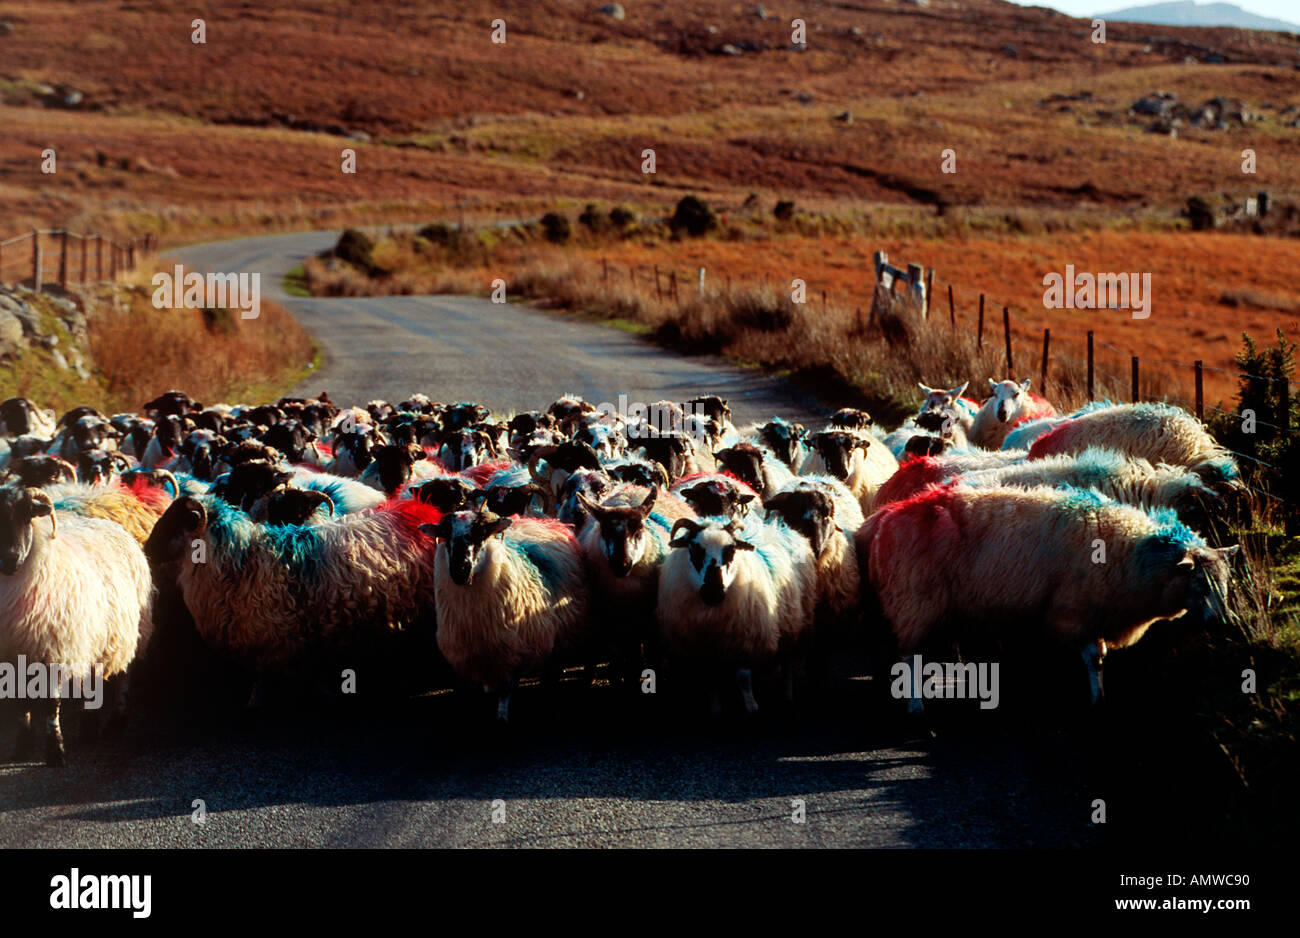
(697, 556)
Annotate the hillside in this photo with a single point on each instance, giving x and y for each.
(1189, 13)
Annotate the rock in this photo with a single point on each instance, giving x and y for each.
(60, 362)
(804, 98)
(11, 332)
(760, 11)
(614, 11)
(1159, 104)
(845, 117)
(360, 136)
(729, 49)
(6, 27)
(711, 30)
(1010, 50)
(49, 341)
(857, 30)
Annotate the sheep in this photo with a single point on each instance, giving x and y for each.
(1031, 556)
(161, 453)
(83, 434)
(39, 471)
(858, 459)
(1009, 404)
(1024, 433)
(825, 512)
(267, 595)
(97, 465)
(1155, 432)
(394, 466)
(561, 461)
(20, 417)
(348, 496)
(782, 438)
(730, 600)
(467, 446)
(290, 505)
(635, 469)
(624, 548)
(594, 484)
(916, 474)
(511, 597)
(717, 493)
(78, 598)
(676, 452)
(134, 506)
(1125, 479)
(947, 413)
(756, 467)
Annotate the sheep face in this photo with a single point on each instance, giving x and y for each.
(394, 464)
(850, 418)
(923, 444)
(511, 500)
(939, 413)
(607, 441)
(669, 450)
(711, 547)
(291, 438)
(1010, 398)
(837, 449)
(809, 510)
(468, 447)
(198, 450)
(622, 531)
(745, 462)
(293, 506)
(464, 536)
(249, 482)
(783, 439)
(448, 494)
(184, 519)
(98, 466)
(712, 406)
(19, 507)
(718, 497)
(462, 415)
(173, 403)
(1193, 580)
(17, 416)
(41, 470)
(589, 482)
(644, 474)
(168, 431)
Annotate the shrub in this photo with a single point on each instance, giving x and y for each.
(555, 227)
(693, 217)
(784, 210)
(593, 220)
(1199, 213)
(439, 233)
(357, 248)
(622, 218)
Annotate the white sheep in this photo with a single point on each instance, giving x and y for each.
(855, 457)
(78, 596)
(1010, 404)
(511, 597)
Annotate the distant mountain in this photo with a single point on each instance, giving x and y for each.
(1187, 13)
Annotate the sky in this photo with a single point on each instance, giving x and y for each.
(1281, 9)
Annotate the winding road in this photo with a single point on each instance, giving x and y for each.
(580, 768)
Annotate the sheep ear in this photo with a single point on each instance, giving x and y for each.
(648, 505)
(959, 391)
(1026, 383)
(742, 545)
(1186, 562)
(439, 531)
(926, 388)
(744, 498)
(38, 503)
(1227, 553)
(498, 527)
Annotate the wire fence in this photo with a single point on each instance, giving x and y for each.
(42, 257)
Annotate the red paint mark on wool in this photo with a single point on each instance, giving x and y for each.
(1050, 443)
(932, 515)
(410, 514)
(480, 475)
(551, 525)
(148, 494)
(685, 481)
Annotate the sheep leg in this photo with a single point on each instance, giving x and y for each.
(26, 745)
(54, 751)
(914, 705)
(116, 724)
(745, 680)
(503, 703)
(1092, 656)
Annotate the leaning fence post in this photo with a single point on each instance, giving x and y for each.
(929, 291)
(130, 254)
(63, 258)
(979, 336)
(1200, 392)
(99, 258)
(36, 259)
(112, 260)
(952, 311)
(1092, 396)
(1006, 331)
(1136, 395)
(1047, 341)
(83, 258)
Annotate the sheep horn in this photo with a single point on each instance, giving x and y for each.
(66, 469)
(648, 504)
(36, 495)
(690, 523)
(163, 476)
(593, 507)
(326, 500)
(539, 454)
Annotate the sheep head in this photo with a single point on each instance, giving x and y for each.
(711, 548)
(622, 530)
(19, 507)
(463, 536)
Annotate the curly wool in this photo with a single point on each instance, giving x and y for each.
(136, 508)
(82, 598)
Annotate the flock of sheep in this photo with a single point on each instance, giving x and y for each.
(700, 556)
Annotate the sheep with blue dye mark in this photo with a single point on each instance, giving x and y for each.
(733, 599)
(1086, 570)
(75, 593)
(824, 511)
(511, 597)
(922, 471)
(1025, 433)
(267, 594)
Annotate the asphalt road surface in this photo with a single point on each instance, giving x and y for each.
(581, 766)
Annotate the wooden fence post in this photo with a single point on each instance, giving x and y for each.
(1092, 394)
(952, 310)
(130, 254)
(1136, 395)
(83, 258)
(63, 259)
(929, 291)
(916, 285)
(674, 284)
(1200, 392)
(979, 340)
(112, 260)
(99, 258)
(36, 260)
(701, 281)
(1006, 331)
(823, 302)
(1047, 341)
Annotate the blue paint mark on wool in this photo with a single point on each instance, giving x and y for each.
(232, 533)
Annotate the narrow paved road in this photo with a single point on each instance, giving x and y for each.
(579, 770)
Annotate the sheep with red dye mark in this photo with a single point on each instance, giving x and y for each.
(1032, 557)
(732, 598)
(914, 475)
(1159, 433)
(511, 597)
(134, 505)
(75, 594)
(1010, 403)
(268, 594)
